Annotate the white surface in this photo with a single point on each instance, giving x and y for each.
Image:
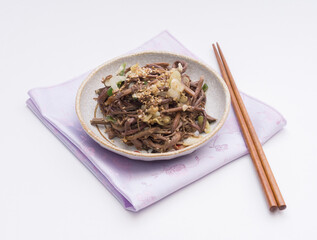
(46, 193)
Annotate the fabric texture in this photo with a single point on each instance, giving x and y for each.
(138, 184)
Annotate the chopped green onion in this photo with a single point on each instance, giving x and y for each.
(110, 119)
(200, 120)
(121, 73)
(119, 83)
(145, 82)
(109, 92)
(205, 87)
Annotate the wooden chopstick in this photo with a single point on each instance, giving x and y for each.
(266, 166)
(248, 139)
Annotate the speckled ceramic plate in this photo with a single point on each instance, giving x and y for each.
(217, 104)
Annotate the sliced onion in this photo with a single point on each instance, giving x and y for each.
(120, 69)
(191, 140)
(185, 107)
(180, 67)
(176, 88)
(177, 85)
(112, 82)
(173, 94)
(183, 99)
(146, 118)
(176, 75)
(207, 128)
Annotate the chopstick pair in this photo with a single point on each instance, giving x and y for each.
(268, 182)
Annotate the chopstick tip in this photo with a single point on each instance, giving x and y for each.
(214, 47)
(273, 208)
(282, 207)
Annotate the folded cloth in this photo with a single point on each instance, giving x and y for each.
(138, 184)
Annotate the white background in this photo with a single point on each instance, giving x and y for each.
(46, 193)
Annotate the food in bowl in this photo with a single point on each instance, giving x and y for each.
(156, 107)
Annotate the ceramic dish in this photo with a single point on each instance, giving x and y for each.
(217, 103)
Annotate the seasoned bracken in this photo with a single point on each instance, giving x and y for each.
(156, 107)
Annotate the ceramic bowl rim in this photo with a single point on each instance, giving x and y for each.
(114, 148)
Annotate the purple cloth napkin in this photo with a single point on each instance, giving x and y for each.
(138, 184)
